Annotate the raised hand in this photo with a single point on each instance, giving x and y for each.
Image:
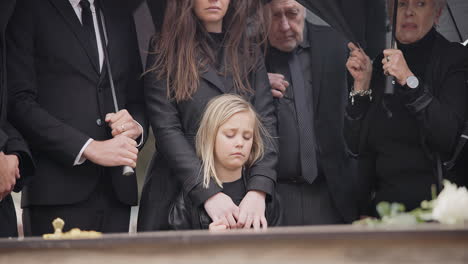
(360, 67)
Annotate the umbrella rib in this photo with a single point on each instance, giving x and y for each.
(454, 22)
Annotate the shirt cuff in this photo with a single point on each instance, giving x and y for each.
(142, 134)
(79, 158)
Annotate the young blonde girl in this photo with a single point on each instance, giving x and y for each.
(228, 142)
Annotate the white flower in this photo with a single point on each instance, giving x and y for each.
(451, 206)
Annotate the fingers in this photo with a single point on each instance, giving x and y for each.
(231, 221)
(127, 153)
(256, 223)
(114, 117)
(276, 93)
(217, 225)
(275, 76)
(17, 173)
(126, 127)
(122, 122)
(241, 220)
(224, 221)
(248, 222)
(352, 47)
(278, 83)
(355, 64)
(235, 213)
(264, 222)
(390, 52)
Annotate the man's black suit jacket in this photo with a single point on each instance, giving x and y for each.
(328, 59)
(59, 99)
(11, 141)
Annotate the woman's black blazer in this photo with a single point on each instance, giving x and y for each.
(175, 165)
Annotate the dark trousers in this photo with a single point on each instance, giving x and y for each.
(8, 226)
(307, 204)
(102, 212)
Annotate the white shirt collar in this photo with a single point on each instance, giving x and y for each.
(76, 3)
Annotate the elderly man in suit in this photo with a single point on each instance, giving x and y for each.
(306, 65)
(15, 160)
(61, 101)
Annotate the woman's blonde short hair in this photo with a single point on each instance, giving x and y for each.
(218, 112)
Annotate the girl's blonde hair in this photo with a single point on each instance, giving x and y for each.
(218, 112)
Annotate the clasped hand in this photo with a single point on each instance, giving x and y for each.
(9, 173)
(278, 84)
(122, 149)
(226, 215)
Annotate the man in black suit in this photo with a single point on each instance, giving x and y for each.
(60, 99)
(306, 65)
(15, 160)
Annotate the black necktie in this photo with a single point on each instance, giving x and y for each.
(305, 119)
(88, 26)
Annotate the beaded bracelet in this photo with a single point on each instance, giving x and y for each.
(361, 93)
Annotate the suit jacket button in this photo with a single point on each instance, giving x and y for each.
(99, 122)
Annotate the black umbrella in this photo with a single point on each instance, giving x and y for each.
(332, 12)
(360, 21)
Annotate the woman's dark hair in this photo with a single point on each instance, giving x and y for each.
(183, 52)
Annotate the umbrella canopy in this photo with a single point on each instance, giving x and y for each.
(332, 12)
(453, 22)
(360, 21)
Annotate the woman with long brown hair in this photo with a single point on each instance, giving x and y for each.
(205, 48)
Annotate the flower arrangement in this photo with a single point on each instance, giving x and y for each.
(449, 207)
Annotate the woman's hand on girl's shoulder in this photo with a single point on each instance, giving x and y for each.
(252, 211)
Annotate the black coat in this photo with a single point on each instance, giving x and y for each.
(439, 113)
(175, 165)
(58, 99)
(11, 142)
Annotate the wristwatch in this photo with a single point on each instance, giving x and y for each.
(412, 82)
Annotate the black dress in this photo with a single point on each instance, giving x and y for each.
(397, 138)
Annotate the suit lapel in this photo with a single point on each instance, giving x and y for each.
(317, 67)
(69, 15)
(211, 75)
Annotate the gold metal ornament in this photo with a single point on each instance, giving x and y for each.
(74, 233)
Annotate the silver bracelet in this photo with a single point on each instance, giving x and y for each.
(361, 93)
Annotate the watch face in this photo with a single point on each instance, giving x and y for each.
(412, 82)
